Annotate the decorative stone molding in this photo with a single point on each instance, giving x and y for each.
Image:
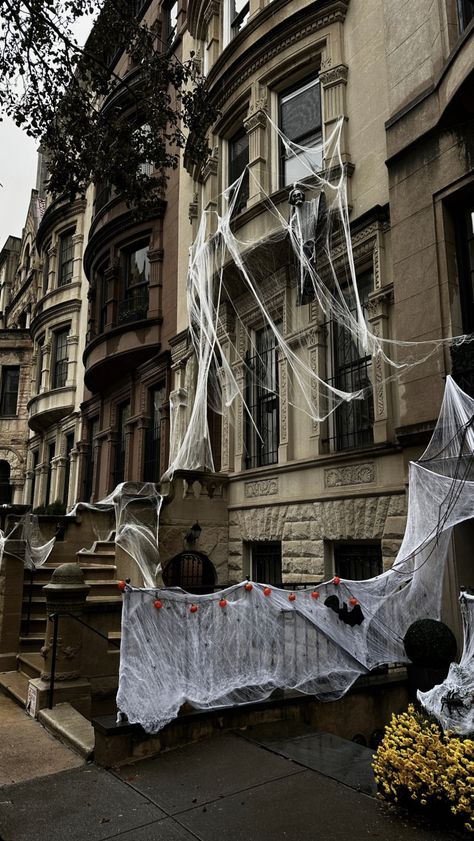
(334, 76)
(211, 166)
(212, 8)
(193, 210)
(292, 35)
(155, 255)
(352, 474)
(261, 487)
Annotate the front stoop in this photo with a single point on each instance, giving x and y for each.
(70, 727)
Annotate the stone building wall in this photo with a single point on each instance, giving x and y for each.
(306, 529)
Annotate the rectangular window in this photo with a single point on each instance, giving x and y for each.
(49, 475)
(152, 463)
(301, 123)
(465, 13)
(123, 416)
(238, 164)
(170, 22)
(67, 467)
(92, 432)
(262, 425)
(461, 355)
(135, 276)
(102, 286)
(66, 258)
(358, 560)
(33, 477)
(39, 366)
(352, 421)
(239, 15)
(266, 562)
(60, 366)
(9, 395)
(46, 268)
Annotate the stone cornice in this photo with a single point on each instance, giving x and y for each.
(58, 213)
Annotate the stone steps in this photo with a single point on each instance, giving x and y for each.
(15, 685)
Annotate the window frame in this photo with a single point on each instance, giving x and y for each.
(58, 362)
(266, 561)
(65, 264)
(258, 434)
(340, 340)
(241, 202)
(287, 94)
(5, 393)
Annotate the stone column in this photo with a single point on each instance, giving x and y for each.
(256, 127)
(212, 21)
(77, 242)
(45, 368)
(72, 343)
(377, 316)
(65, 595)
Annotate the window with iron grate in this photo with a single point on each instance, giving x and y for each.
(262, 427)
(238, 163)
(351, 425)
(266, 562)
(358, 560)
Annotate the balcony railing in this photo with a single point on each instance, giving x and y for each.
(134, 307)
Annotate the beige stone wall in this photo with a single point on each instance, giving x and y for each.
(305, 529)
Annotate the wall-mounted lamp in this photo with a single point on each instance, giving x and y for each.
(194, 533)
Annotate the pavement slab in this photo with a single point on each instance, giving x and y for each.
(26, 749)
(340, 759)
(302, 807)
(166, 830)
(86, 804)
(204, 771)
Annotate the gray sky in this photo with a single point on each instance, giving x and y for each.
(18, 161)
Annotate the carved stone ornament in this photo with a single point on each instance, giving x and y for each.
(334, 76)
(262, 487)
(352, 474)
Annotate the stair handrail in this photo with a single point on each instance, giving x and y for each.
(54, 618)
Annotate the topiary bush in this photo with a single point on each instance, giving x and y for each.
(430, 643)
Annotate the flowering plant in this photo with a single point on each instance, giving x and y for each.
(417, 761)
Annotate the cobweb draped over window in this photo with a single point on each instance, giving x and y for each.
(240, 644)
(307, 233)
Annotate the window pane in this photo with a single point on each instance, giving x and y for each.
(301, 112)
(238, 162)
(262, 427)
(301, 123)
(66, 261)
(136, 267)
(358, 561)
(266, 562)
(465, 13)
(60, 359)
(9, 398)
(152, 466)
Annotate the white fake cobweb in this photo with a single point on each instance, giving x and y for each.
(242, 643)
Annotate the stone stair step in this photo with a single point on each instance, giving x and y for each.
(70, 727)
(30, 663)
(15, 685)
(29, 641)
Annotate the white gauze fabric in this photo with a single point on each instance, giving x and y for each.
(240, 644)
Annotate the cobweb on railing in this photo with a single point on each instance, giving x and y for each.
(239, 645)
(306, 236)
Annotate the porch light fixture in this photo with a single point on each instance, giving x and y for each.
(194, 533)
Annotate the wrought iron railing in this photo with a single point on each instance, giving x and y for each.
(135, 306)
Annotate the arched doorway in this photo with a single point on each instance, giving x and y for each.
(193, 571)
(5, 486)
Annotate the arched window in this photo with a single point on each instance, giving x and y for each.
(5, 486)
(193, 571)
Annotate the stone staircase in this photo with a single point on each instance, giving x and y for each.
(103, 609)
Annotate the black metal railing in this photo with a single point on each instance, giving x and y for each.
(263, 407)
(134, 307)
(54, 618)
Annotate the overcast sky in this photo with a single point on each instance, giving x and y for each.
(18, 161)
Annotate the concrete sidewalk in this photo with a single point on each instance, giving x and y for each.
(233, 787)
(26, 749)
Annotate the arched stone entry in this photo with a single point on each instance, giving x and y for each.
(5, 484)
(193, 571)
